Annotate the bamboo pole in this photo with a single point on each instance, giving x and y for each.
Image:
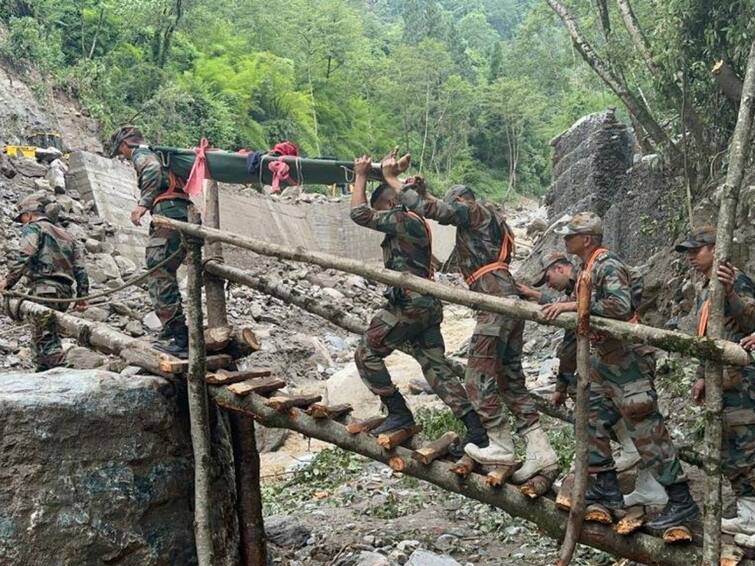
(198, 410)
(738, 155)
(639, 547)
(246, 458)
(717, 350)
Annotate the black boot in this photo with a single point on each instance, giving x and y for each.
(476, 434)
(680, 508)
(399, 415)
(604, 490)
(179, 345)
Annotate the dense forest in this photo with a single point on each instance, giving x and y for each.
(474, 89)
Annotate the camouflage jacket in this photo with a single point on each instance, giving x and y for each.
(152, 177)
(407, 244)
(47, 251)
(480, 229)
(739, 315)
(567, 350)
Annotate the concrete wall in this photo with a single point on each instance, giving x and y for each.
(324, 227)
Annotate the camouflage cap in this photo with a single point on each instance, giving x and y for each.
(546, 262)
(32, 203)
(122, 134)
(699, 237)
(583, 223)
(457, 191)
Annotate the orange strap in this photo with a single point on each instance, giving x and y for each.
(507, 248)
(430, 271)
(702, 322)
(586, 274)
(174, 190)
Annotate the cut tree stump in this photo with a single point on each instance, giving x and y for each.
(259, 385)
(243, 340)
(463, 467)
(389, 440)
(225, 377)
(214, 362)
(321, 411)
(397, 463)
(596, 513)
(631, 521)
(364, 425)
(540, 484)
(675, 535)
(283, 404)
(436, 449)
(499, 475)
(563, 499)
(731, 555)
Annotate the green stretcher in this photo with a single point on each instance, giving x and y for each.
(231, 167)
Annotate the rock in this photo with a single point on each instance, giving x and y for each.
(346, 386)
(56, 176)
(84, 358)
(6, 166)
(368, 558)
(151, 321)
(77, 231)
(131, 370)
(125, 265)
(333, 294)
(29, 167)
(269, 439)
(286, 531)
(96, 314)
(134, 328)
(93, 246)
(418, 386)
(98, 469)
(104, 268)
(446, 542)
(425, 558)
(355, 281)
(42, 185)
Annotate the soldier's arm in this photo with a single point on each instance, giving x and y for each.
(741, 302)
(616, 299)
(567, 354)
(80, 271)
(456, 214)
(149, 174)
(27, 249)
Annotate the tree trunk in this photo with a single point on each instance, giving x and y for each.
(214, 287)
(542, 511)
(716, 350)
(738, 156)
(728, 81)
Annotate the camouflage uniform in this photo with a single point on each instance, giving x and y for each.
(494, 369)
(52, 262)
(738, 450)
(163, 288)
(409, 316)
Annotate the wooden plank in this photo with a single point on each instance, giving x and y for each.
(283, 404)
(214, 362)
(463, 467)
(499, 475)
(390, 440)
(259, 385)
(436, 449)
(225, 377)
(364, 425)
(675, 535)
(631, 521)
(322, 411)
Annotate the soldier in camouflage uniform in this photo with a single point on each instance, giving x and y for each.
(409, 317)
(738, 450)
(622, 389)
(161, 193)
(484, 247)
(51, 260)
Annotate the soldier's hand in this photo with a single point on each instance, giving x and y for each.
(698, 392)
(528, 292)
(558, 398)
(417, 183)
(392, 165)
(362, 166)
(136, 215)
(2, 284)
(81, 306)
(748, 342)
(553, 310)
(726, 275)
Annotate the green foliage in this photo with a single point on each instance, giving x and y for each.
(436, 422)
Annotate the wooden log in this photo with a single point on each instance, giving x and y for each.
(675, 535)
(258, 385)
(632, 520)
(540, 484)
(499, 475)
(435, 449)
(217, 338)
(225, 377)
(731, 555)
(596, 513)
(718, 350)
(212, 363)
(463, 467)
(389, 440)
(396, 463)
(739, 153)
(321, 411)
(356, 426)
(728, 81)
(282, 404)
(563, 498)
(640, 547)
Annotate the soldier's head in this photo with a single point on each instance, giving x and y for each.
(123, 140)
(459, 193)
(31, 208)
(700, 248)
(583, 233)
(556, 271)
(383, 197)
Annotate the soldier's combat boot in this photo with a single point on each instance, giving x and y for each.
(647, 491)
(744, 522)
(179, 345)
(679, 509)
(629, 456)
(604, 490)
(540, 455)
(500, 449)
(399, 415)
(476, 434)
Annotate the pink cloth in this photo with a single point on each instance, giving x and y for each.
(280, 170)
(199, 171)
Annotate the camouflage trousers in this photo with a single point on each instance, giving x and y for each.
(163, 283)
(46, 346)
(418, 325)
(494, 372)
(621, 387)
(738, 447)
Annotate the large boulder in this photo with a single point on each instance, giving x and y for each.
(97, 468)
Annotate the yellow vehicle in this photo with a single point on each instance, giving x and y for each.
(28, 151)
